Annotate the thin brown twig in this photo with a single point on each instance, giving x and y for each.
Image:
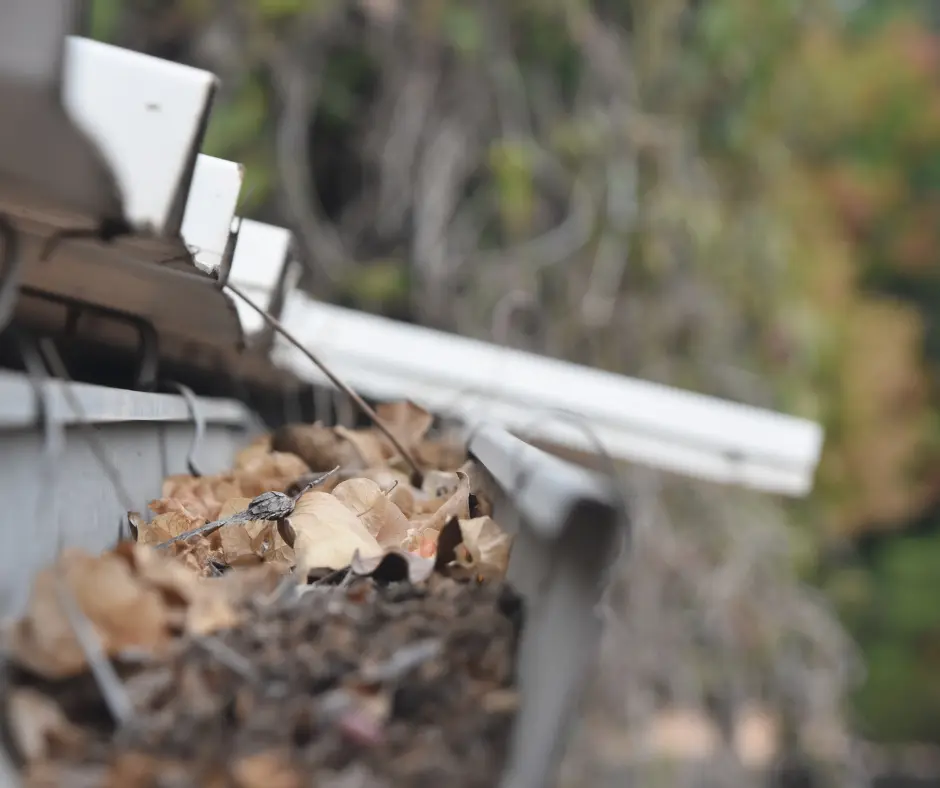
(339, 383)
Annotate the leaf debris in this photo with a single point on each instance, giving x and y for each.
(309, 617)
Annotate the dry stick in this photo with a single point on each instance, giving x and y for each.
(340, 384)
(245, 515)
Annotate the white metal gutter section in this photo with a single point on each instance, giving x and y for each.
(19, 407)
(147, 116)
(633, 420)
(210, 209)
(258, 268)
(145, 437)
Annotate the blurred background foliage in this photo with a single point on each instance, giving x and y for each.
(738, 197)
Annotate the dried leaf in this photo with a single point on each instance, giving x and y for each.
(382, 518)
(407, 421)
(124, 612)
(188, 494)
(457, 504)
(271, 769)
(368, 446)
(172, 522)
(318, 446)
(207, 607)
(396, 484)
(328, 534)
(38, 726)
(259, 447)
(486, 542)
(393, 567)
(440, 485)
(444, 455)
(237, 538)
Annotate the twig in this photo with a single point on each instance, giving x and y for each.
(339, 383)
(249, 514)
(112, 690)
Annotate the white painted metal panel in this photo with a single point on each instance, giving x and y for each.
(210, 209)
(147, 116)
(261, 255)
(634, 420)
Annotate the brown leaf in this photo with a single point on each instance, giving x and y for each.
(328, 534)
(189, 494)
(139, 770)
(439, 510)
(124, 612)
(444, 455)
(38, 726)
(258, 448)
(396, 484)
(367, 443)
(172, 522)
(393, 567)
(407, 421)
(318, 446)
(237, 538)
(382, 518)
(271, 769)
(486, 542)
(207, 608)
(439, 485)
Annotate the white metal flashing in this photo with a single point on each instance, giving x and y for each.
(210, 209)
(19, 407)
(147, 116)
(633, 420)
(261, 255)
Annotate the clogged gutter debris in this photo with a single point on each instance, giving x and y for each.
(363, 635)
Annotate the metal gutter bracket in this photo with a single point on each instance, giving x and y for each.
(567, 530)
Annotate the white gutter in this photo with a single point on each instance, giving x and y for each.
(634, 420)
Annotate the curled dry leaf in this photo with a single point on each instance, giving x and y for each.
(407, 421)
(134, 597)
(327, 534)
(440, 485)
(206, 607)
(382, 518)
(270, 769)
(273, 471)
(258, 472)
(255, 450)
(444, 454)
(486, 542)
(38, 727)
(396, 485)
(124, 611)
(318, 446)
(393, 567)
(370, 449)
(436, 512)
(170, 523)
(252, 541)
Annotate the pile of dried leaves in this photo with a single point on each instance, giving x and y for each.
(361, 635)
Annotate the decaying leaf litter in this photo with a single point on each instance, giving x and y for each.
(362, 636)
